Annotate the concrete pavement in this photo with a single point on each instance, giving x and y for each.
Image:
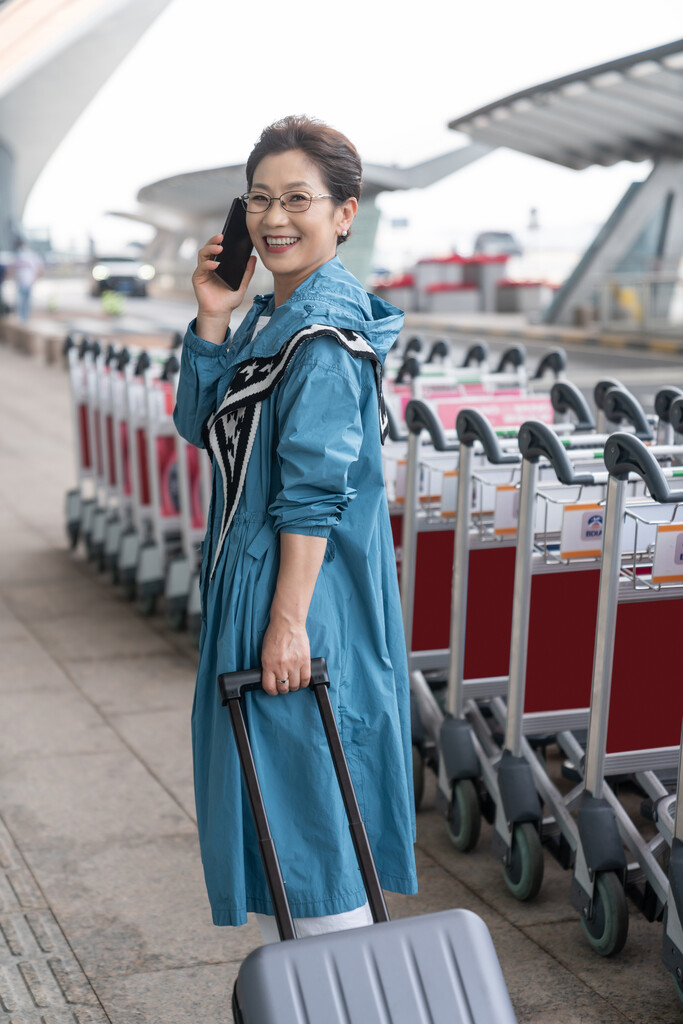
(103, 912)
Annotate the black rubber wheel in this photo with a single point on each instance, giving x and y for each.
(524, 874)
(147, 604)
(418, 776)
(463, 821)
(679, 987)
(73, 531)
(129, 590)
(176, 620)
(607, 928)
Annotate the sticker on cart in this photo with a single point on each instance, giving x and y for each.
(668, 561)
(449, 494)
(506, 511)
(582, 527)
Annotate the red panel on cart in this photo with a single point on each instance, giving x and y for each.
(489, 611)
(98, 443)
(110, 450)
(489, 600)
(563, 613)
(143, 469)
(84, 430)
(646, 705)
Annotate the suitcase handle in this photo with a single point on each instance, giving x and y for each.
(231, 686)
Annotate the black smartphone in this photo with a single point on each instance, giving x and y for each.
(237, 246)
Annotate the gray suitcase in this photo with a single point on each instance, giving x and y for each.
(433, 969)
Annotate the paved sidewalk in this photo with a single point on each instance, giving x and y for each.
(103, 912)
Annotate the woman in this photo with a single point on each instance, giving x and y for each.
(298, 555)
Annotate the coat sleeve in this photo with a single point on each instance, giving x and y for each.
(320, 433)
(202, 364)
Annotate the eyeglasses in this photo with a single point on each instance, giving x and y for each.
(292, 202)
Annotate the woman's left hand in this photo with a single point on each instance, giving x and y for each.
(285, 655)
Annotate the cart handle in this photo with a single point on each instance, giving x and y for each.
(439, 350)
(537, 439)
(471, 426)
(555, 361)
(123, 358)
(419, 417)
(514, 357)
(171, 367)
(414, 345)
(566, 397)
(664, 399)
(601, 389)
(620, 404)
(676, 415)
(231, 685)
(395, 431)
(410, 368)
(68, 344)
(143, 363)
(626, 453)
(477, 353)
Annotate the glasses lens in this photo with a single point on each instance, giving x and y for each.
(296, 202)
(256, 202)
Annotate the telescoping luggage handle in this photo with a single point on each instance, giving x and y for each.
(231, 686)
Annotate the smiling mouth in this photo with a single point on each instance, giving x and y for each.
(277, 243)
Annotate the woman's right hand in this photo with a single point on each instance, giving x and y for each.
(215, 300)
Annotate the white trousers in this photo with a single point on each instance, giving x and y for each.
(304, 926)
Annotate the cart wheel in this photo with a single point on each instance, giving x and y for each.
(129, 590)
(115, 578)
(418, 776)
(73, 531)
(176, 620)
(679, 987)
(608, 926)
(147, 604)
(524, 873)
(463, 821)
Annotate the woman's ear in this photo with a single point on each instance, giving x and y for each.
(345, 214)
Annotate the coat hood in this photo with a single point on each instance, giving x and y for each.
(331, 295)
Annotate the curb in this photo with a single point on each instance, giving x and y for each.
(551, 335)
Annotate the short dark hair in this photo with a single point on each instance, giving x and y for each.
(333, 154)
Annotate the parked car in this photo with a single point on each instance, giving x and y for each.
(125, 274)
(497, 243)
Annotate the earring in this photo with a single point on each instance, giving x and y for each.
(344, 234)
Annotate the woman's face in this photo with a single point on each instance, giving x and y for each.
(293, 245)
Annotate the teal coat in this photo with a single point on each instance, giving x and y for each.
(316, 469)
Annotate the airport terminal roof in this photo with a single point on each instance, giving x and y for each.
(202, 193)
(626, 109)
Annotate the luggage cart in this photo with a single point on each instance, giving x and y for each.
(157, 454)
(637, 601)
(107, 482)
(121, 518)
(81, 497)
(182, 574)
(669, 819)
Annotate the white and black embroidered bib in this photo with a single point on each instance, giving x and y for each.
(229, 432)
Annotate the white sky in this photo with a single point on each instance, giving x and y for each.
(208, 75)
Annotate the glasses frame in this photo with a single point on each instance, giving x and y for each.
(293, 191)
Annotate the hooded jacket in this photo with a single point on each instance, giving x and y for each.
(315, 468)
